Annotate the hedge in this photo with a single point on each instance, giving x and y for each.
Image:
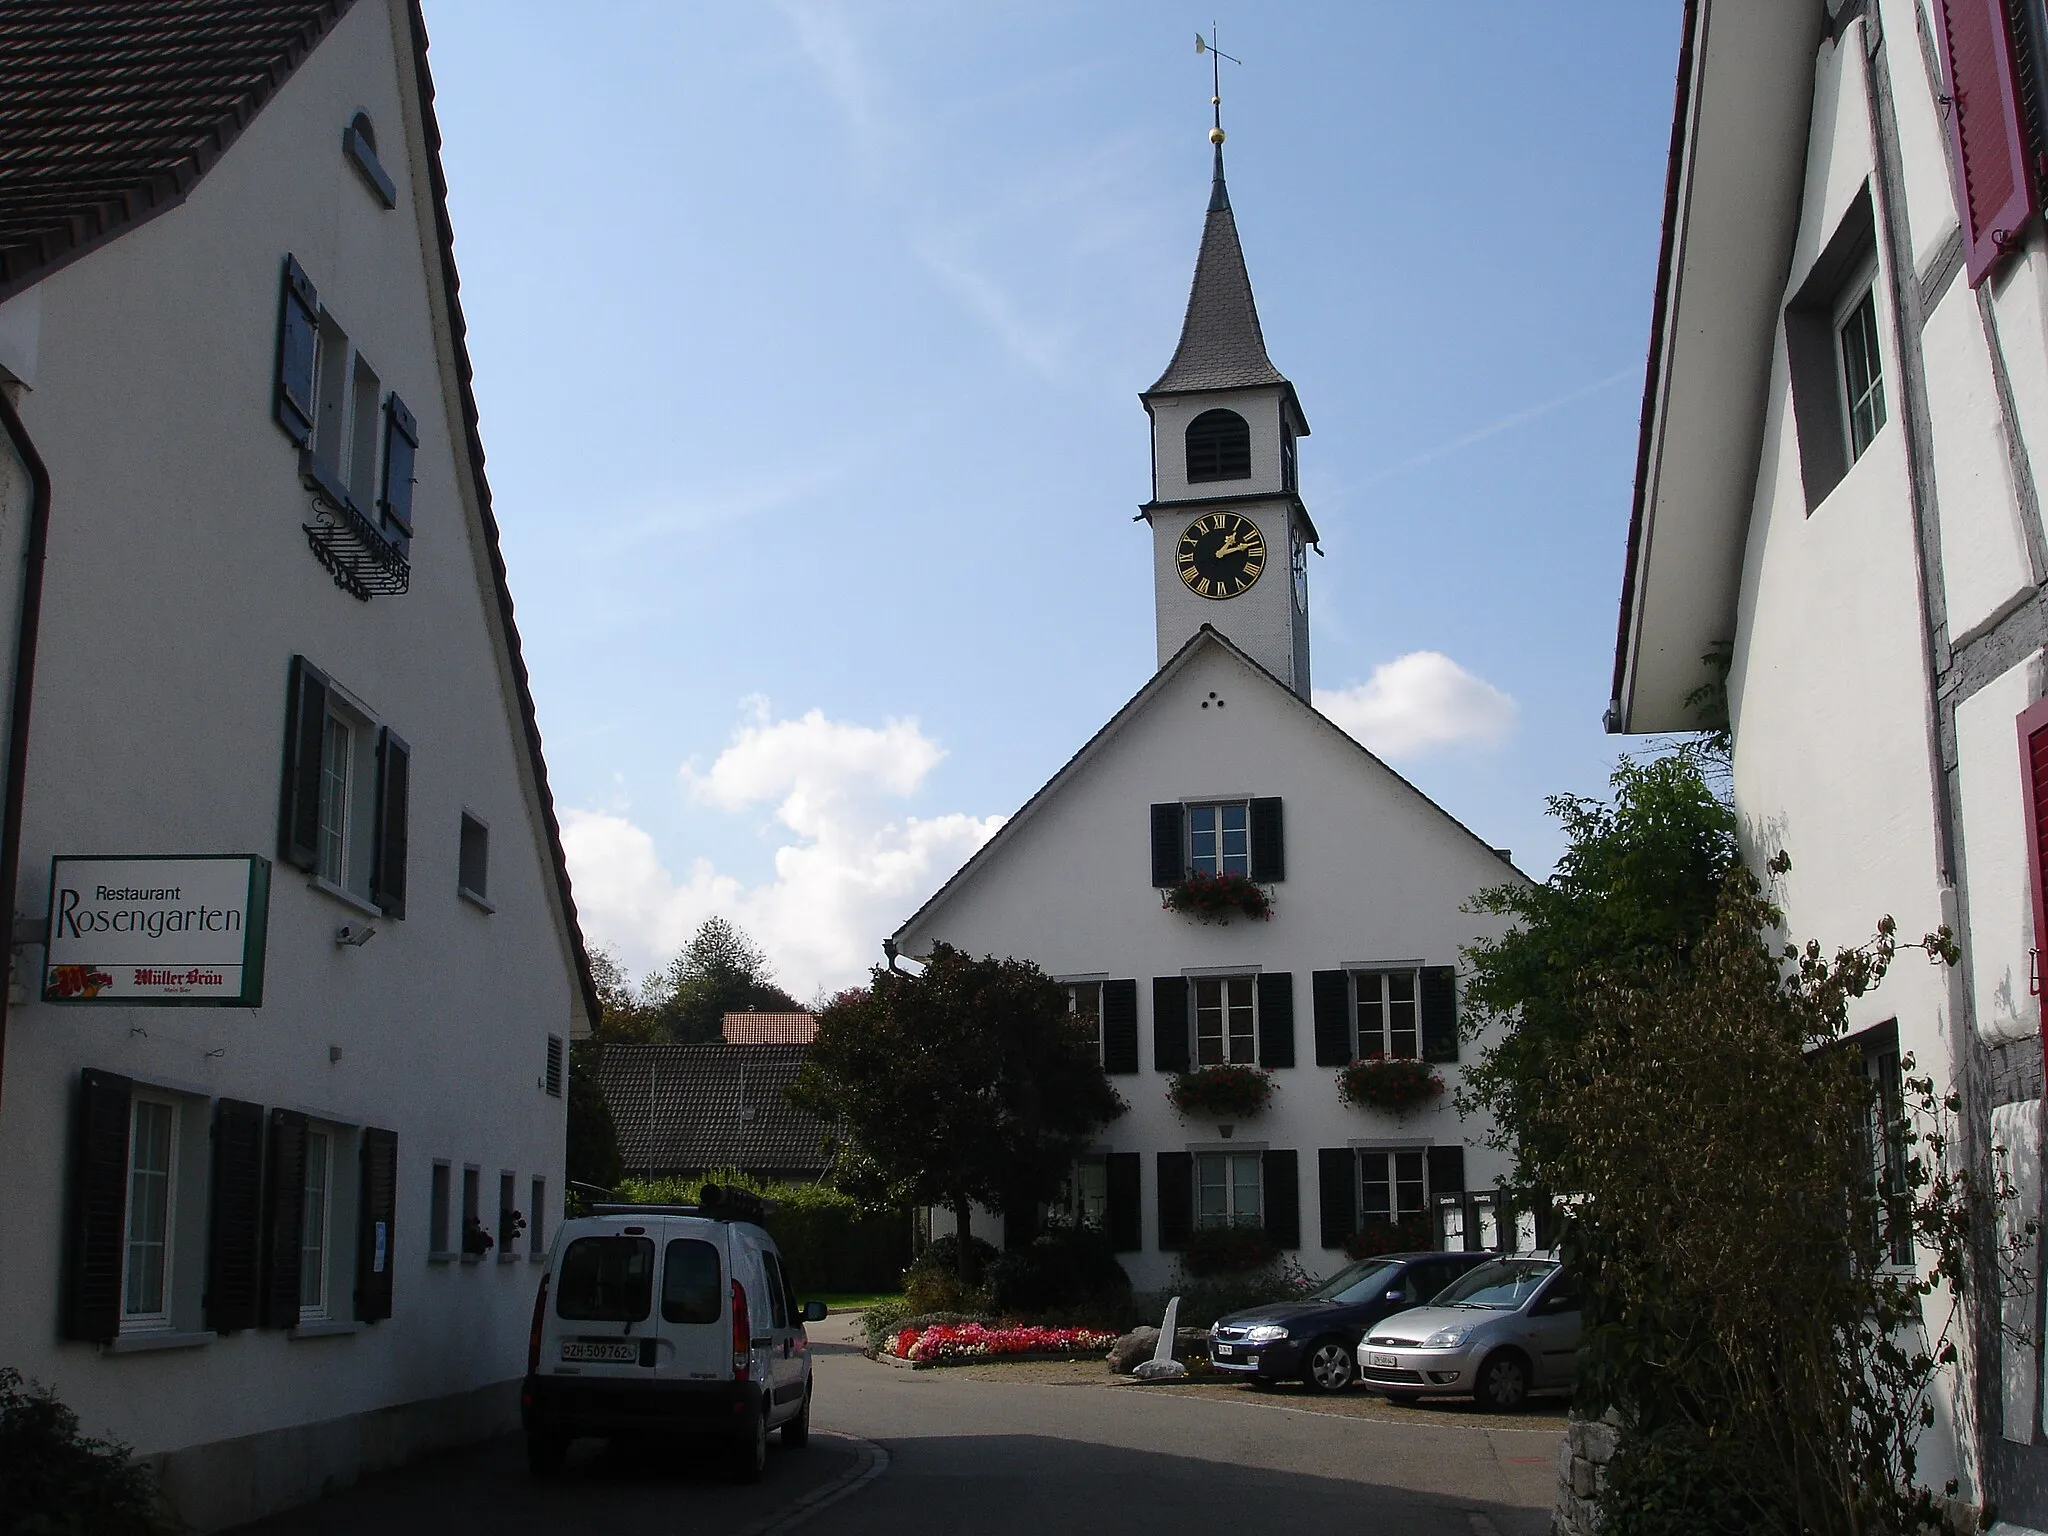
(826, 1241)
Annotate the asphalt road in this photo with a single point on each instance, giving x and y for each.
(1005, 1449)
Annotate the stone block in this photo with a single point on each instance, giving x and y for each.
(1598, 1442)
(1582, 1478)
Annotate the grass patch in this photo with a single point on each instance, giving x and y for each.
(853, 1301)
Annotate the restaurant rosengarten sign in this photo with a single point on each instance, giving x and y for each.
(157, 930)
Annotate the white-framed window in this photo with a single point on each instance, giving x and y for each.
(152, 1197)
(1219, 838)
(1226, 1020)
(1087, 1202)
(1387, 1013)
(1084, 1002)
(509, 1216)
(348, 797)
(316, 1226)
(473, 861)
(472, 1212)
(1885, 1128)
(1862, 367)
(536, 1221)
(1229, 1189)
(439, 1244)
(1393, 1184)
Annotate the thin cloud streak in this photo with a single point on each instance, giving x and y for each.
(1519, 418)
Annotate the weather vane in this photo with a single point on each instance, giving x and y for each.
(1208, 45)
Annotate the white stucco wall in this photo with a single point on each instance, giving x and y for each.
(1374, 874)
(180, 586)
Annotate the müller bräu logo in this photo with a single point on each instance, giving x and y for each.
(191, 978)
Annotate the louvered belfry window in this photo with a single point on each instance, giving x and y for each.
(1219, 447)
(1986, 127)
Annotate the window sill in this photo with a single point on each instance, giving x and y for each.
(146, 1341)
(345, 896)
(326, 1328)
(443, 1256)
(473, 899)
(472, 1258)
(510, 1258)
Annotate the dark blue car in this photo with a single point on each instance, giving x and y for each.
(1314, 1339)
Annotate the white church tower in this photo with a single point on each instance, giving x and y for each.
(1230, 535)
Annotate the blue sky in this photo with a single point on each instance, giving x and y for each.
(808, 338)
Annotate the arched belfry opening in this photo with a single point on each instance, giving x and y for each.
(1219, 447)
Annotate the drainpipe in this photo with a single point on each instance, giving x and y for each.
(24, 682)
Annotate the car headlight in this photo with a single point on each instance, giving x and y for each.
(1265, 1333)
(1448, 1338)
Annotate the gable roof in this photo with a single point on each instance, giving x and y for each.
(1221, 345)
(110, 113)
(680, 1108)
(1204, 637)
(111, 110)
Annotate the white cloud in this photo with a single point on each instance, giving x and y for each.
(1419, 703)
(847, 872)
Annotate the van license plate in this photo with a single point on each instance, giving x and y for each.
(625, 1352)
(1385, 1362)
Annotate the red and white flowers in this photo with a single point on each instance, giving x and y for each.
(977, 1341)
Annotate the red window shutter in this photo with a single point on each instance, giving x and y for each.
(2033, 724)
(1987, 136)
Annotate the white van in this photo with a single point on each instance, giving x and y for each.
(659, 1319)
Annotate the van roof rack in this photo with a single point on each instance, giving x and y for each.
(716, 1202)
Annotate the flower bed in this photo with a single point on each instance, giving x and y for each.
(1234, 1092)
(978, 1341)
(1217, 898)
(1393, 1083)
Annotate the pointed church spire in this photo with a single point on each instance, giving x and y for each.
(1221, 345)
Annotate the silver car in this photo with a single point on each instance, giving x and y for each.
(1498, 1333)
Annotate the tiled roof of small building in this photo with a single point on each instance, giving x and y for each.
(683, 1109)
(1221, 345)
(111, 110)
(770, 1028)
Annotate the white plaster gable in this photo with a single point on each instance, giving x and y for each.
(1375, 869)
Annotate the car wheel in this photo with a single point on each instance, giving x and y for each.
(1503, 1382)
(1329, 1366)
(796, 1434)
(750, 1456)
(545, 1453)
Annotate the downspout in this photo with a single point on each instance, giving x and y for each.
(24, 684)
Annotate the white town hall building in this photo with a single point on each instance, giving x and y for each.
(1220, 767)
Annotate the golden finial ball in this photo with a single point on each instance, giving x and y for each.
(1215, 135)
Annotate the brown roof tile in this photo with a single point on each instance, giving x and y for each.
(770, 1028)
(687, 1109)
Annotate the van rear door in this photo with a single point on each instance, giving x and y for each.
(600, 1317)
(696, 1306)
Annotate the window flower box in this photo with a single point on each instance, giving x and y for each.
(1235, 1092)
(1218, 898)
(1408, 1235)
(1231, 1250)
(1396, 1084)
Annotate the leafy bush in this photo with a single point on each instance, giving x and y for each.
(1235, 1092)
(55, 1481)
(829, 1243)
(1204, 1298)
(1064, 1268)
(1213, 1251)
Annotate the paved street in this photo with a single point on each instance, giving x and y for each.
(1000, 1449)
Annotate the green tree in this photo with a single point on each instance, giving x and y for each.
(968, 1082)
(719, 971)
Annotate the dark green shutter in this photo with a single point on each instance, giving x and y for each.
(1337, 1194)
(284, 1218)
(1276, 1019)
(387, 865)
(234, 1226)
(1439, 1013)
(1126, 1212)
(1269, 840)
(1169, 1023)
(1169, 861)
(1176, 1200)
(1119, 1026)
(401, 450)
(1283, 1198)
(298, 331)
(99, 1207)
(305, 733)
(376, 1225)
(1331, 991)
(1446, 1171)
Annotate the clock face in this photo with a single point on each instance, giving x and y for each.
(1220, 555)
